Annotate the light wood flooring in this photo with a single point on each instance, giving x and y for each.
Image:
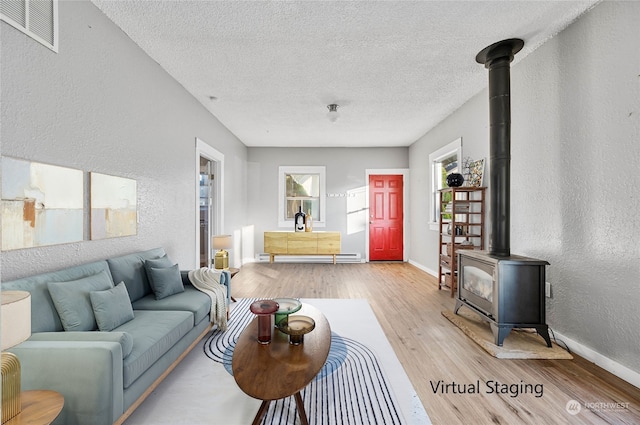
(408, 306)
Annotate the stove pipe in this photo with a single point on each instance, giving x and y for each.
(496, 58)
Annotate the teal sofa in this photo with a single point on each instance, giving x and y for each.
(105, 375)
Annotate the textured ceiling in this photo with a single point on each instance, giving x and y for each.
(268, 69)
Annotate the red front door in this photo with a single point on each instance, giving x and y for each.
(385, 218)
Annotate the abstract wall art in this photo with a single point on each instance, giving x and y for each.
(113, 206)
(41, 204)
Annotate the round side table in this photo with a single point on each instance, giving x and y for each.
(39, 407)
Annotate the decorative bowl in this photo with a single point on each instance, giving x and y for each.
(286, 307)
(296, 327)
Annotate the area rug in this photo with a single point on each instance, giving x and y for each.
(519, 344)
(202, 391)
(351, 388)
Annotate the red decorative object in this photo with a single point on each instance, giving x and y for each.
(264, 309)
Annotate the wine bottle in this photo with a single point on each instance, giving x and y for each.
(299, 220)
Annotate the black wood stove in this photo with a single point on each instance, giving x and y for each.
(506, 290)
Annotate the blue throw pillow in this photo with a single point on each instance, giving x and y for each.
(165, 281)
(112, 307)
(72, 302)
(160, 263)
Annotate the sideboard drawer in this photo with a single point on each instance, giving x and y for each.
(302, 243)
(275, 242)
(329, 243)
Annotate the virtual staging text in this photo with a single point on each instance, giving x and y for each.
(487, 387)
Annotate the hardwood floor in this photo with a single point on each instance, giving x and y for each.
(408, 306)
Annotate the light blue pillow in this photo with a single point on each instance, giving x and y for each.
(112, 307)
(166, 281)
(71, 300)
(160, 263)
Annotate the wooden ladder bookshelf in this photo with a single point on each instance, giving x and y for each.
(461, 226)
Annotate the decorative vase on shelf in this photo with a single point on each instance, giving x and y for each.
(308, 224)
(455, 180)
(300, 218)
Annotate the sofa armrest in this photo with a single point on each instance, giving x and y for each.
(87, 374)
(225, 280)
(125, 339)
(184, 274)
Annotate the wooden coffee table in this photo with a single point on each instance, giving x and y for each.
(279, 369)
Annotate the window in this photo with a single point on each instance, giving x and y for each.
(36, 18)
(443, 162)
(304, 187)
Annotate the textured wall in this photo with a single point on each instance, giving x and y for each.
(574, 188)
(345, 171)
(102, 105)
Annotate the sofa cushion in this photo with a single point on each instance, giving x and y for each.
(154, 333)
(191, 300)
(44, 317)
(130, 270)
(72, 300)
(166, 281)
(112, 307)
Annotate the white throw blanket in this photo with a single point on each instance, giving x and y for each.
(208, 281)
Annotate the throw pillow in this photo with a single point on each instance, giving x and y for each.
(158, 263)
(166, 281)
(71, 300)
(112, 307)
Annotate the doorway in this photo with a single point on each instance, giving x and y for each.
(205, 202)
(209, 200)
(386, 217)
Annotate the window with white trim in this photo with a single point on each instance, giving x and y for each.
(443, 162)
(301, 186)
(36, 18)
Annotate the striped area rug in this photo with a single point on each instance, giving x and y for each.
(350, 389)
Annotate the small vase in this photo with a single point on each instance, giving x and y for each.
(308, 224)
(455, 180)
(299, 221)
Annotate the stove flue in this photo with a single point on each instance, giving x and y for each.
(497, 58)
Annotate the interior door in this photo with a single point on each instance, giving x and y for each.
(206, 210)
(386, 217)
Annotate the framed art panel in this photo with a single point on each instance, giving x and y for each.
(113, 206)
(476, 173)
(42, 204)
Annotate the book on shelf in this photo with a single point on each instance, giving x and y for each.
(460, 208)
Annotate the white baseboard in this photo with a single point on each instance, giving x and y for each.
(424, 268)
(621, 371)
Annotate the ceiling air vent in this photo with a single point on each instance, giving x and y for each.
(36, 18)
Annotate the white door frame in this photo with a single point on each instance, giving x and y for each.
(217, 225)
(405, 190)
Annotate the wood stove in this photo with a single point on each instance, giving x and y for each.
(506, 290)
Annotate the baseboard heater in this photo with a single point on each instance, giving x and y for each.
(282, 258)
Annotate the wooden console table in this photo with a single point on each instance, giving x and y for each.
(301, 243)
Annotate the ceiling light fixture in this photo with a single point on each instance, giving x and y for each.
(333, 112)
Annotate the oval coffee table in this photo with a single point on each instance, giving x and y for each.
(279, 369)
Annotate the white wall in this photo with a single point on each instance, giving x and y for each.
(575, 176)
(345, 171)
(101, 104)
